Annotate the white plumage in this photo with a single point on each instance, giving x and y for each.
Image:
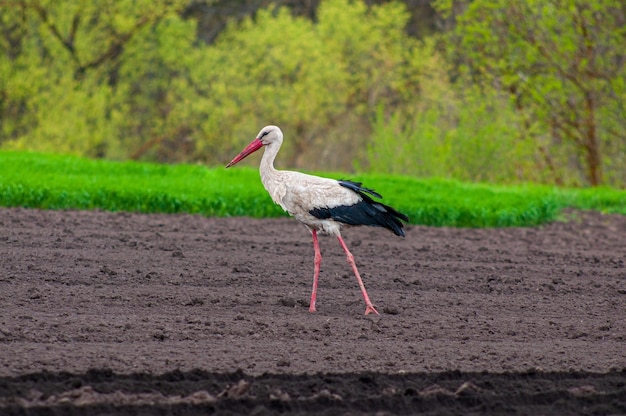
(321, 204)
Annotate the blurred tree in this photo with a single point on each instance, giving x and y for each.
(320, 81)
(61, 86)
(214, 15)
(563, 61)
(531, 91)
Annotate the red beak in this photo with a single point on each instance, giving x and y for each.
(255, 145)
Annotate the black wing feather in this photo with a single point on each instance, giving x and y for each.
(365, 212)
(356, 187)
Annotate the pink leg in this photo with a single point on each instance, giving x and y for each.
(369, 307)
(316, 273)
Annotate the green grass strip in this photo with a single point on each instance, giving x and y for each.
(47, 181)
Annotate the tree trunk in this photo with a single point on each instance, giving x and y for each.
(592, 144)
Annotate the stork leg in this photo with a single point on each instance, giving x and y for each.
(369, 307)
(316, 273)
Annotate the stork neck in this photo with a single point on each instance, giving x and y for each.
(267, 161)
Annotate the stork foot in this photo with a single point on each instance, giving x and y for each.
(371, 309)
(312, 309)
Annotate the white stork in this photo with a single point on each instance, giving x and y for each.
(321, 204)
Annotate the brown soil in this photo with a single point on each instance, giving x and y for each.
(175, 314)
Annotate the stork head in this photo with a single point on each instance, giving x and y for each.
(267, 136)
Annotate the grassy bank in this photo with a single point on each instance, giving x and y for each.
(63, 182)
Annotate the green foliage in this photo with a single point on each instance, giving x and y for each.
(83, 76)
(563, 63)
(526, 90)
(65, 182)
(320, 82)
(603, 199)
(442, 202)
(454, 141)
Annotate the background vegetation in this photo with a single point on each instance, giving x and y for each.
(68, 182)
(484, 90)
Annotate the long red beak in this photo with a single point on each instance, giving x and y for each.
(255, 145)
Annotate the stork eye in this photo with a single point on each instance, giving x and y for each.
(265, 133)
